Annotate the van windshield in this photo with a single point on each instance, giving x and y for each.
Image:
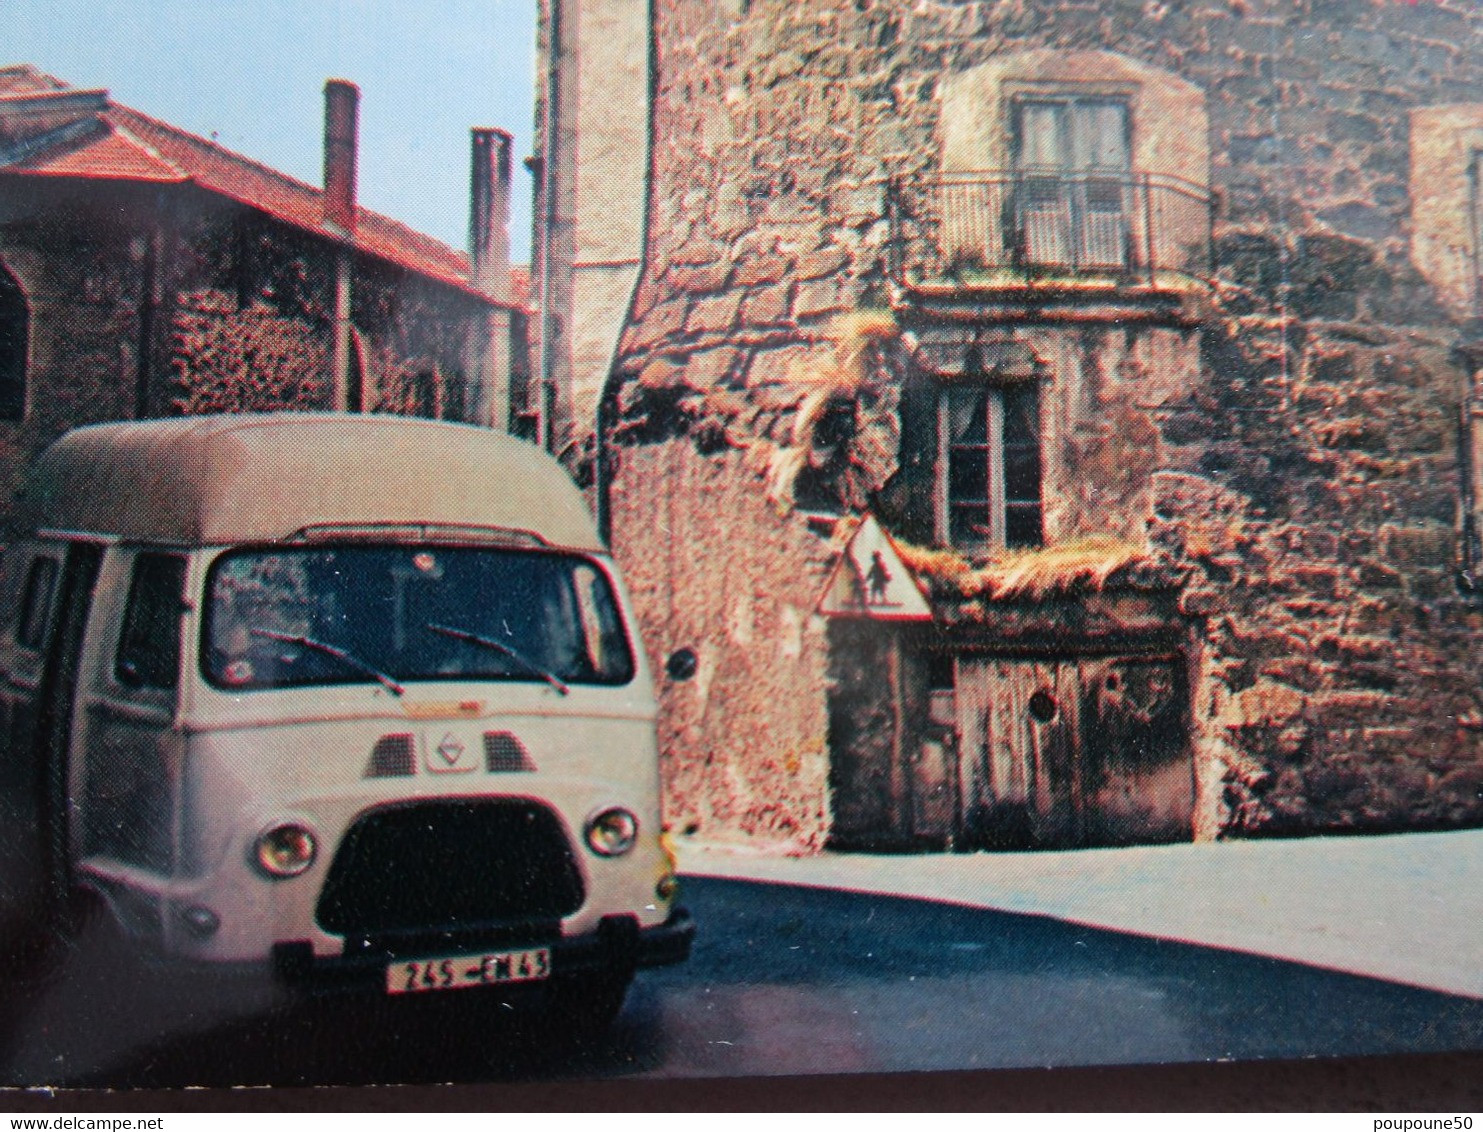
(393, 614)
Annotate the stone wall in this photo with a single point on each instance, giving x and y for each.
(83, 284)
(1308, 481)
(777, 131)
(178, 302)
(245, 360)
(1319, 514)
(713, 567)
(262, 296)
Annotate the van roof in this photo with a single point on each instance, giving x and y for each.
(215, 480)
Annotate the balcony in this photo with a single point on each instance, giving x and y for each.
(993, 230)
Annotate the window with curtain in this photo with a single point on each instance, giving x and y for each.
(991, 456)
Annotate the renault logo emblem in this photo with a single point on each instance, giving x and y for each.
(450, 749)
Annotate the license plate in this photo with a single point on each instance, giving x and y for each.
(458, 972)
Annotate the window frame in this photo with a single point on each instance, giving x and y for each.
(1078, 191)
(621, 637)
(1072, 100)
(996, 451)
(34, 618)
(136, 630)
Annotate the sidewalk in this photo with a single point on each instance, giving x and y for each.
(1407, 907)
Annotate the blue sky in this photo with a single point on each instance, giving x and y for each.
(251, 75)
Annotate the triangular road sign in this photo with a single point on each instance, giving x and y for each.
(870, 580)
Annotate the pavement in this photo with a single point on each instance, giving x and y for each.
(1406, 908)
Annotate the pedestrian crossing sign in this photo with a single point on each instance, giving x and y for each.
(870, 580)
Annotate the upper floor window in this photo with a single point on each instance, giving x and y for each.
(1072, 182)
(14, 348)
(1056, 162)
(1446, 203)
(990, 461)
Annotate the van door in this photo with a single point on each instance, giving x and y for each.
(32, 575)
(129, 751)
(61, 641)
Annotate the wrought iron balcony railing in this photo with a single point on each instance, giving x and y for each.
(1025, 226)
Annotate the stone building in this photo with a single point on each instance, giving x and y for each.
(145, 272)
(1036, 422)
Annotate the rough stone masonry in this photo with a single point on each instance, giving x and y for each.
(1255, 434)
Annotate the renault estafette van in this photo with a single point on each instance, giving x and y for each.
(356, 701)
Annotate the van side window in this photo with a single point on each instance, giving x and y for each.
(149, 645)
(41, 582)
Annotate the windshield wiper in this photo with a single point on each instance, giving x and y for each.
(334, 651)
(500, 646)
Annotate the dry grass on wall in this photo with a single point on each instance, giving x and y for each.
(1029, 575)
(852, 366)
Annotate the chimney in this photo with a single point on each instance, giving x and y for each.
(489, 212)
(341, 111)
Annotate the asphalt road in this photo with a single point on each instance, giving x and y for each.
(783, 981)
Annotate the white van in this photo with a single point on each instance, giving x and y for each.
(355, 701)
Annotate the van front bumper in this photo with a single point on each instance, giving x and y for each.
(618, 946)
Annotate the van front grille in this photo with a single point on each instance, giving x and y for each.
(436, 866)
(504, 752)
(393, 756)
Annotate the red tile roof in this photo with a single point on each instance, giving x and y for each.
(109, 154)
(23, 78)
(128, 145)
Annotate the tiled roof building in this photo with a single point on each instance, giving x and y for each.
(146, 271)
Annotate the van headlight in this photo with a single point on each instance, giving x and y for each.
(284, 851)
(612, 833)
